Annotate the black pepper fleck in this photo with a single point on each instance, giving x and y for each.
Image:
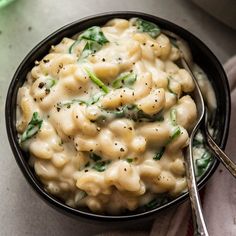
(122, 149)
(41, 84)
(46, 60)
(47, 91)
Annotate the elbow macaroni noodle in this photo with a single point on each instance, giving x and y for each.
(102, 154)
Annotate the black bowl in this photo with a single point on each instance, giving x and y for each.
(201, 55)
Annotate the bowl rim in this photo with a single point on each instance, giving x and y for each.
(30, 177)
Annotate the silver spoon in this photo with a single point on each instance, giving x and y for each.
(199, 223)
(203, 112)
(197, 215)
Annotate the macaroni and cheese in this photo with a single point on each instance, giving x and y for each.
(105, 117)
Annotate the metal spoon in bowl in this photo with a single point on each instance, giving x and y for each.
(203, 113)
(198, 219)
(197, 215)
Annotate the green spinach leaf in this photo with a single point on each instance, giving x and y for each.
(94, 34)
(173, 116)
(125, 80)
(101, 166)
(203, 163)
(159, 154)
(147, 27)
(90, 48)
(97, 81)
(32, 128)
(95, 157)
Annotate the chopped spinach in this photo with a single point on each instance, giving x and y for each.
(32, 128)
(176, 133)
(131, 111)
(89, 48)
(97, 81)
(173, 116)
(197, 143)
(147, 27)
(203, 163)
(159, 154)
(95, 157)
(125, 80)
(129, 160)
(68, 104)
(94, 34)
(50, 83)
(100, 166)
(73, 46)
(94, 38)
(198, 140)
(95, 98)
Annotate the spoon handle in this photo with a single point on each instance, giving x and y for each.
(227, 162)
(197, 215)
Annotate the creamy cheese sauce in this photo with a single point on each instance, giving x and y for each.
(105, 117)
